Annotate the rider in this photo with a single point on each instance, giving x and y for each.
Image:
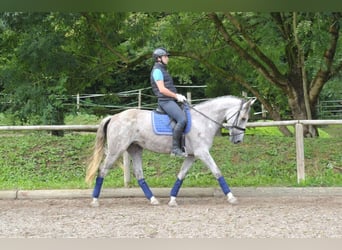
(164, 89)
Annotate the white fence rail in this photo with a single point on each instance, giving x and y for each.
(298, 124)
(90, 128)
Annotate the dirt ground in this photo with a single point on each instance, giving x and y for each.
(201, 217)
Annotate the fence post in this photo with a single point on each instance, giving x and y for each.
(78, 103)
(139, 99)
(300, 153)
(188, 97)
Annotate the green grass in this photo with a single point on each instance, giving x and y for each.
(37, 160)
(84, 119)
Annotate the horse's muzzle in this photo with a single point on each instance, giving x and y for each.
(236, 139)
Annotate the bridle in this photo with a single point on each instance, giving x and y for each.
(225, 125)
(235, 123)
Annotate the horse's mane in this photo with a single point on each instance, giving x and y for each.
(209, 101)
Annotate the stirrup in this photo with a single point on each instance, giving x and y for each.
(178, 153)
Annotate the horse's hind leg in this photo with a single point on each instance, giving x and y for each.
(135, 152)
(180, 177)
(103, 171)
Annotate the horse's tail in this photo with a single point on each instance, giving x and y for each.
(98, 152)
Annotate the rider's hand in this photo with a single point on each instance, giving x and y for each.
(180, 98)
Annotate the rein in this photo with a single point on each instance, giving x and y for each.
(221, 125)
(224, 125)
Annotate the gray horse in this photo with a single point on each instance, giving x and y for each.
(132, 131)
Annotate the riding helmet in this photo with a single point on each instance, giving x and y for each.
(159, 52)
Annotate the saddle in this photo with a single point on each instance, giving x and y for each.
(162, 124)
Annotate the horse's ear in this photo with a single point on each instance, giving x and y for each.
(251, 101)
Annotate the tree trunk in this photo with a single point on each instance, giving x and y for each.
(309, 130)
(297, 105)
(58, 119)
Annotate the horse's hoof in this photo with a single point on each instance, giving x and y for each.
(232, 199)
(173, 202)
(154, 201)
(95, 203)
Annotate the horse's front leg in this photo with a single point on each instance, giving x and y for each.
(135, 152)
(209, 161)
(180, 177)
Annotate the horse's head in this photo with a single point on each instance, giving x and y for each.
(237, 120)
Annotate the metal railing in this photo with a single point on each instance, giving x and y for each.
(331, 109)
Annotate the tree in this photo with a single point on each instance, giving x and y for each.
(34, 70)
(49, 55)
(284, 59)
(309, 55)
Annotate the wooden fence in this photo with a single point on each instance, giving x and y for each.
(298, 124)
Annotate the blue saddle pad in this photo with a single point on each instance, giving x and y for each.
(161, 123)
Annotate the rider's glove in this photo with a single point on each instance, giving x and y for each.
(180, 98)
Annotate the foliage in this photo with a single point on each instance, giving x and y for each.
(47, 56)
(332, 91)
(35, 75)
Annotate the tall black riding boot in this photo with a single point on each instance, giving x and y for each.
(176, 142)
